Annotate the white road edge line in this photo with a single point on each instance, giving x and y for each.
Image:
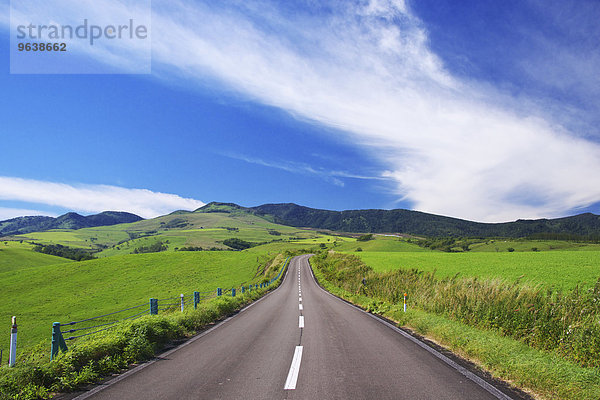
(292, 378)
(300, 307)
(465, 372)
(301, 321)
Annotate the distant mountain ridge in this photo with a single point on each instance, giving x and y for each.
(356, 221)
(420, 223)
(71, 220)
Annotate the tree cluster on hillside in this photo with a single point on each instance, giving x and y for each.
(447, 244)
(237, 244)
(190, 248)
(365, 238)
(153, 248)
(64, 251)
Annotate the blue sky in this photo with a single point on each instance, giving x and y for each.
(481, 110)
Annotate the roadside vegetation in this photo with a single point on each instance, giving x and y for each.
(556, 269)
(562, 326)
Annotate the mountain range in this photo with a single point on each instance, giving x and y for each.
(357, 221)
(21, 225)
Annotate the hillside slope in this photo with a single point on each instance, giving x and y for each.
(420, 223)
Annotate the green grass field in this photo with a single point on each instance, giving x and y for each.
(559, 268)
(380, 243)
(15, 256)
(501, 245)
(76, 290)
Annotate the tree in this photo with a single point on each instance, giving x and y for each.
(365, 238)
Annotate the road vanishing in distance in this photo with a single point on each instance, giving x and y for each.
(298, 342)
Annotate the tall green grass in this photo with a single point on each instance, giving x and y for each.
(565, 322)
(559, 269)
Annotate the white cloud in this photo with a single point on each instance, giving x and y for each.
(453, 147)
(94, 198)
(8, 213)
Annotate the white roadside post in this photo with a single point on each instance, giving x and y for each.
(13, 343)
(182, 302)
(404, 302)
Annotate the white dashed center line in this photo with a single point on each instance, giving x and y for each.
(292, 378)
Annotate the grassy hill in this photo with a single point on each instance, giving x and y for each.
(207, 228)
(76, 290)
(15, 256)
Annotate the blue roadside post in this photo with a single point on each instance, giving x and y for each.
(233, 292)
(58, 342)
(196, 299)
(153, 306)
(219, 292)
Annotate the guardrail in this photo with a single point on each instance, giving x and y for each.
(107, 321)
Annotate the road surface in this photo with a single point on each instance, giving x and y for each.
(298, 342)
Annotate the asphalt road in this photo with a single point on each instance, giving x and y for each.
(264, 353)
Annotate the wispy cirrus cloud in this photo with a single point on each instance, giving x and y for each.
(332, 176)
(452, 146)
(89, 198)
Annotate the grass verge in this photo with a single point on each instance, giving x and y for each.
(545, 374)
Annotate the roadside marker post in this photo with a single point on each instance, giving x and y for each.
(153, 306)
(58, 342)
(182, 301)
(13, 343)
(243, 289)
(233, 292)
(196, 299)
(404, 302)
(219, 292)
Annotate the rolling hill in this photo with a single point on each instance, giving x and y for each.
(216, 226)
